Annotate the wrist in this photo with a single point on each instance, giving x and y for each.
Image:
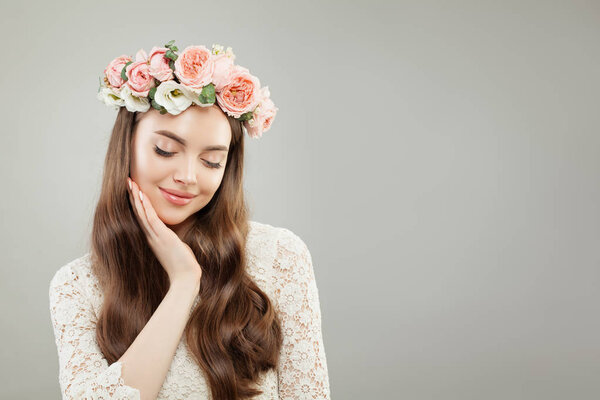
(185, 284)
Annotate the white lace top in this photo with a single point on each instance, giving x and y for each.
(280, 264)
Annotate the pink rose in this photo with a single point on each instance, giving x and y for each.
(159, 64)
(113, 71)
(194, 67)
(263, 116)
(241, 94)
(268, 112)
(223, 64)
(139, 79)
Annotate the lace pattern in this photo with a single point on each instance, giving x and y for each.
(280, 264)
(84, 372)
(303, 366)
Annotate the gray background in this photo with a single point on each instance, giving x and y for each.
(440, 160)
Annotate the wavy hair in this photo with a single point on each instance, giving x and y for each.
(234, 332)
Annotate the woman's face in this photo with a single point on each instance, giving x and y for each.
(184, 153)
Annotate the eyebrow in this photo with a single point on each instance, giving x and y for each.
(181, 140)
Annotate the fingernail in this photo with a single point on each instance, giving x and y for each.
(129, 182)
(141, 196)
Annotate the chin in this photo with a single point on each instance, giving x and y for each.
(172, 218)
(174, 221)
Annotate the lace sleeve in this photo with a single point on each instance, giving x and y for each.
(302, 372)
(84, 373)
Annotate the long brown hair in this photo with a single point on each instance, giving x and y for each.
(234, 332)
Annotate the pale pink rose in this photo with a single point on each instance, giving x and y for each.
(268, 112)
(263, 94)
(241, 94)
(263, 116)
(223, 64)
(141, 55)
(159, 64)
(113, 71)
(194, 67)
(253, 127)
(140, 80)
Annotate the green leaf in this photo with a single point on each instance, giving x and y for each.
(170, 43)
(207, 96)
(156, 105)
(174, 48)
(172, 64)
(170, 54)
(151, 92)
(123, 74)
(246, 116)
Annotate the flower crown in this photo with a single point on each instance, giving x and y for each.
(171, 82)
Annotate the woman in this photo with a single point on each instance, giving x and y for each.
(180, 295)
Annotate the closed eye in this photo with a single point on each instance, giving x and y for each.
(163, 153)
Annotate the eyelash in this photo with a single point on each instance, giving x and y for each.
(163, 153)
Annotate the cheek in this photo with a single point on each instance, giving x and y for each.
(218, 178)
(146, 162)
(215, 180)
(147, 168)
(209, 183)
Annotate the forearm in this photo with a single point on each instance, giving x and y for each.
(147, 361)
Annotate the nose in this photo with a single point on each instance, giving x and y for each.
(186, 173)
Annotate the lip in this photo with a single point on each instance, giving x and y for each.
(176, 199)
(178, 193)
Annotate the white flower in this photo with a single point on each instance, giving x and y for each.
(218, 49)
(110, 97)
(303, 355)
(173, 96)
(291, 297)
(134, 103)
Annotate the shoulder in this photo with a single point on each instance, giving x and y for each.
(279, 262)
(75, 273)
(261, 230)
(287, 251)
(275, 250)
(277, 236)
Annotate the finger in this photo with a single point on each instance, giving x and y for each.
(134, 207)
(140, 211)
(130, 195)
(131, 200)
(155, 223)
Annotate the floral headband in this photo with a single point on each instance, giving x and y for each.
(171, 82)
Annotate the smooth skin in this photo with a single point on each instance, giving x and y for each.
(175, 256)
(146, 362)
(185, 167)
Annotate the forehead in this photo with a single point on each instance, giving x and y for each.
(197, 125)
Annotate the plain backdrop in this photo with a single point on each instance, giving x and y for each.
(439, 158)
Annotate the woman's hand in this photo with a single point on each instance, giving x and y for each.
(175, 256)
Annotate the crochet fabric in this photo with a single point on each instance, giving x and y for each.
(280, 264)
